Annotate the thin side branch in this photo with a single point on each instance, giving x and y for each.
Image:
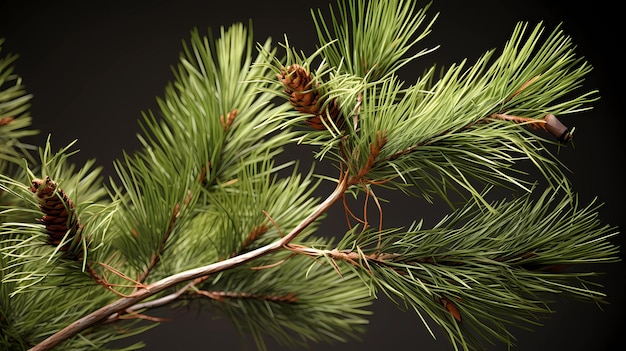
(548, 124)
(156, 257)
(222, 295)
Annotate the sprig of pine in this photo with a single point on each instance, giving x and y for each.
(204, 212)
(15, 120)
(477, 273)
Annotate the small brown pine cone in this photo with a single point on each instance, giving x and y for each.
(59, 217)
(305, 98)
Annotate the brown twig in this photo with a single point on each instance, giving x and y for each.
(202, 177)
(375, 148)
(156, 257)
(135, 315)
(6, 120)
(101, 280)
(162, 301)
(549, 123)
(522, 87)
(251, 237)
(532, 122)
(222, 295)
(228, 120)
(255, 234)
(361, 260)
(360, 178)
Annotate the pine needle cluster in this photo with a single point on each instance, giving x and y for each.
(204, 214)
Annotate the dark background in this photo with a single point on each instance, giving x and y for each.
(94, 66)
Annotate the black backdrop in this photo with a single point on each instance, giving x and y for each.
(94, 66)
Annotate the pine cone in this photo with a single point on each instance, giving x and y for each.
(306, 99)
(59, 217)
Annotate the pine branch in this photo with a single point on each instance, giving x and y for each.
(182, 277)
(204, 212)
(479, 272)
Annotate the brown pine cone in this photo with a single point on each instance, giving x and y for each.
(306, 98)
(58, 209)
